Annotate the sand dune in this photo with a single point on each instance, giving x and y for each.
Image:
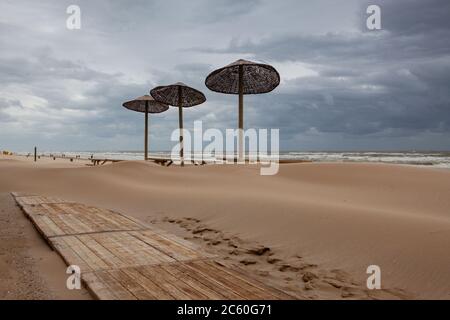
(329, 221)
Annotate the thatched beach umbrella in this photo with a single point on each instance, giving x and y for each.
(243, 77)
(181, 96)
(147, 105)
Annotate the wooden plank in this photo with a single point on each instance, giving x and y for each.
(110, 282)
(180, 284)
(136, 252)
(30, 210)
(222, 284)
(52, 208)
(244, 277)
(245, 287)
(69, 208)
(177, 239)
(132, 251)
(155, 275)
(34, 200)
(73, 246)
(171, 248)
(97, 287)
(106, 250)
(119, 254)
(192, 280)
(74, 224)
(140, 263)
(97, 221)
(256, 289)
(208, 281)
(84, 254)
(68, 254)
(21, 194)
(147, 284)
(177, 270)
(73, 218)
(105, 255)
(95, 217)
(134, 287)
(59, 220)
(135, 221)
(90, 249)
(118, 219)
(115, 253)
(47, 226)
(87, 256)
(241, 273)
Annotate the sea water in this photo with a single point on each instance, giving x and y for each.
(434, 159)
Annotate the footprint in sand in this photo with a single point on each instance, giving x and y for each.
(259, 251)
(308, 276)
(295, 268)
(288, 267)
(247, 262)
(215, 242)
(202, 230)
(235, 252)
(273, 260)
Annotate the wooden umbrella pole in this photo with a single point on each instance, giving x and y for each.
(241, 114)
(146, 132)
(180, 119)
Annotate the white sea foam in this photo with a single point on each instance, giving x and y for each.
(435, 159)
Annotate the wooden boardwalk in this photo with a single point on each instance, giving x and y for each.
(123, 258)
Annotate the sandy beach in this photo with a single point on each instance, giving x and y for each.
(29, 268)
(312, 229)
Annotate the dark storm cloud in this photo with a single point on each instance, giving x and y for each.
(394, 81)
(342, 85)
(223, 9)
(412, 17)
(44, 68)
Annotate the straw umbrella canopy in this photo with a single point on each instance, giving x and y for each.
(181, 96)
(146, 104)
(243, 77)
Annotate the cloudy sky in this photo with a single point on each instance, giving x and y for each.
(343, 87)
